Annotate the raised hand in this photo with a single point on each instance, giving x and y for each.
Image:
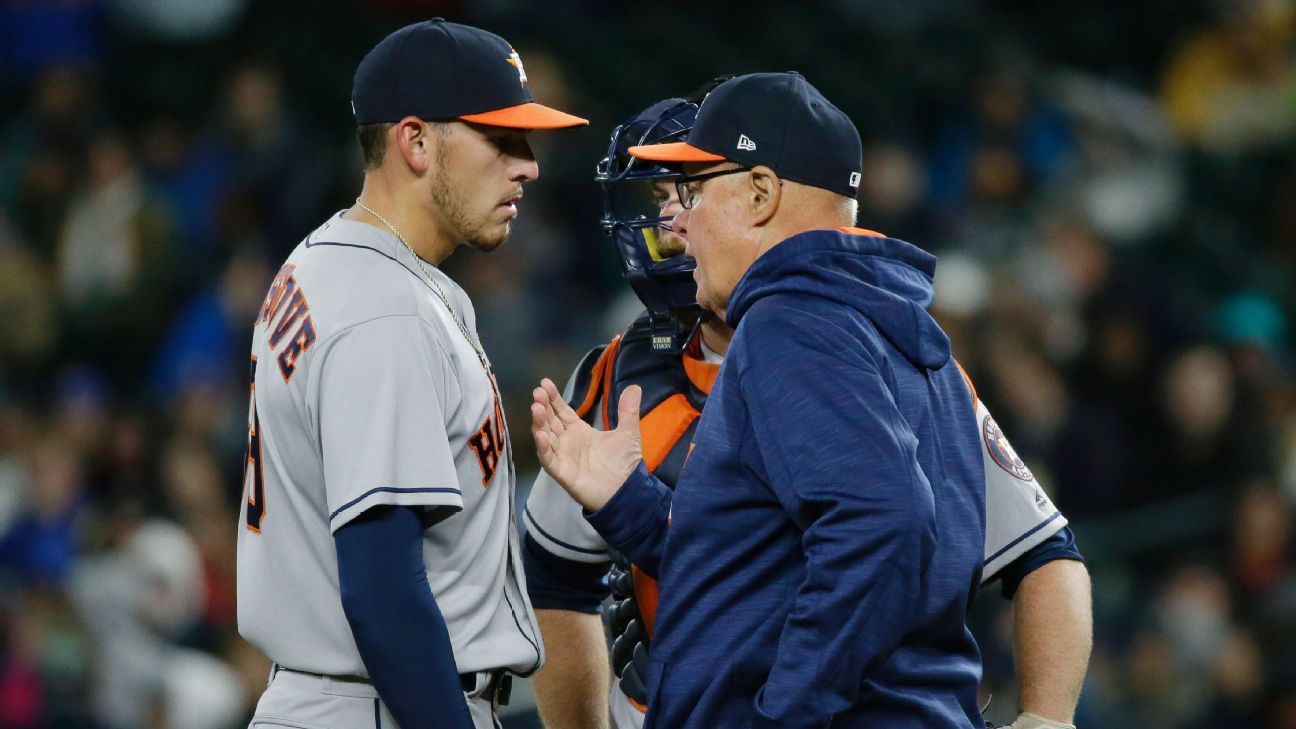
(590, 464)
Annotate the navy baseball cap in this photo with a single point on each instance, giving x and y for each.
(438, 71)
(774, 119)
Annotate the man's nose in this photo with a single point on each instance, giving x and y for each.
(679, 224)
(524, 170)
(524, 167)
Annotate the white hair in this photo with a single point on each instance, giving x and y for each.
(849, 209)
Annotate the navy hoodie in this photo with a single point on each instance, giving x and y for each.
(828, 528)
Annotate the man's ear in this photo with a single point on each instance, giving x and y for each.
(766, 194)
(414, 139)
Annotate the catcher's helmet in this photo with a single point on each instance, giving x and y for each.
(632, 218)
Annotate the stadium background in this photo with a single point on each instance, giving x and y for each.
(1110, 186)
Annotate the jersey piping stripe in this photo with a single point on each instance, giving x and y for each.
(377, 715)
(390, 489)
(411, 271)
(1018, 540)
(583, 550)
(513, 611)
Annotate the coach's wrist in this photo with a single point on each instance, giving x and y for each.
(1027, 720)
(622, 495)
(599, 491)
(634, 508)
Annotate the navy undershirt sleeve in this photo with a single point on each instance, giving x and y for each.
(395, 619)
(1059, 546)
(554, 583)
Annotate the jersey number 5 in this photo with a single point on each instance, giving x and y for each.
(253, 481)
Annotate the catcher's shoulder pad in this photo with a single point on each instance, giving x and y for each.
(591, 378)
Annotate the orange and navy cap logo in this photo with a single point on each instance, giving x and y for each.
(516, 61)
(1002, 452)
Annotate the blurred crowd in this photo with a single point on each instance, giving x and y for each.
(1110, 189)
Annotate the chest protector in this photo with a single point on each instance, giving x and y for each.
(675, 389)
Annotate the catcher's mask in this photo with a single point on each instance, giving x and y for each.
(632, 217)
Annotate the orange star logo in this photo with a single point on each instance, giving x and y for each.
(516, 61)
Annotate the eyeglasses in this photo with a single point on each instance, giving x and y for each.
(689, 187)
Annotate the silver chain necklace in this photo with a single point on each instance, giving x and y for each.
(436, 287)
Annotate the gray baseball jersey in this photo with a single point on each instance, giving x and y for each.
(365, 392)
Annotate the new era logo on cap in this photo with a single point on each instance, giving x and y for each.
(745, 143)
(854, 179)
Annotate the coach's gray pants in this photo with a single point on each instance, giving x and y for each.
(301, 701)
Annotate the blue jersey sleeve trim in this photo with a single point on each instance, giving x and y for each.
(531, 520)
(1023, 537)
(1061, 545)
(391, 490)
